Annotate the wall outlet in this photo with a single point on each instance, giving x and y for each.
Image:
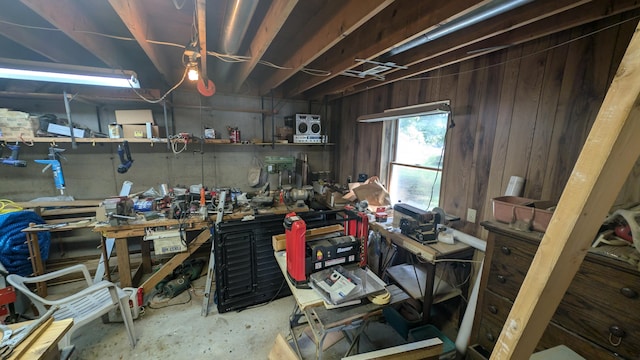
(471, 215)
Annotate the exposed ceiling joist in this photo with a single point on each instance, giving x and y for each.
(201, 15)
(271, 25)
(133, 17)
(592, 11)
(402, 21)
(35, 43)
(65, 15)
(353, 15)
(525, 15)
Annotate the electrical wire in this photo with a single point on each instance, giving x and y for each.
(7, 206)
(175, 141)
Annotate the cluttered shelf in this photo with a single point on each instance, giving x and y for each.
(80, 140)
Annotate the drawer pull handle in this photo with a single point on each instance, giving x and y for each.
(502, 279)
(490, 337)
(505, 250)
(617, 332)
(493, 309)
(629, 292)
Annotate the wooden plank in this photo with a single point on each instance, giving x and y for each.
(425, 349)
(272, 22)
(525, 110)
(400, 22)
(525, 14)
(175, 261)
(607, 157)
(66, 16)
(75, 203)
(201, 17)
(353, 14)
(586, 13)
(279, 241)
(281, 350)
(132, 16)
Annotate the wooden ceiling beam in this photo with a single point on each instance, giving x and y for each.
(593, 11)
(271, 24)
(132, 15)
(65, 15)
(354, 14)
(524, 15)
(401, 22)
(607, 157)
(38, 44)
(201, 15)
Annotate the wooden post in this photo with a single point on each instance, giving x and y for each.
(612, 148)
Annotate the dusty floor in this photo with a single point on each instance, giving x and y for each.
(175, 329)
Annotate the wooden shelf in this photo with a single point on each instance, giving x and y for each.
(81, 140)
(138, 140)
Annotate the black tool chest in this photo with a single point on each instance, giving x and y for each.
(247, 273)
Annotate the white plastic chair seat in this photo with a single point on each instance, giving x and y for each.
(84, 306)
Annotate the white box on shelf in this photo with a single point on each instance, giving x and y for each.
(64, 130)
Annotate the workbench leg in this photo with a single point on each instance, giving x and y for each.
(427, 299)
(36, 261)
(145, 248)
(124, 264)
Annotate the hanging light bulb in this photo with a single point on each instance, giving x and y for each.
(192, 73)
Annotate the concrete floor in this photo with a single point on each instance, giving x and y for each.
(174, 329)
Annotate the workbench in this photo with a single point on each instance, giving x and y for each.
(412, 277)
(322, 321)
(132, 229)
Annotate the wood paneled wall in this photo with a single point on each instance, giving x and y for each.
(523, 111)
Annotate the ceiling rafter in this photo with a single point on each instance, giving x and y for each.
(402, 21)
(579, 16)
(201, 15)
(277, 14)
(131, 15)
(353, 15)
(525, 15)
(65, 15)
(38, 44)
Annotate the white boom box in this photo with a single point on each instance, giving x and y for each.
(307, 124)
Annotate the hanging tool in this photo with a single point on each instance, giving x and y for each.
(125, 162)
(53, 162)
(12, 338)
(212, 258)
(12, 160)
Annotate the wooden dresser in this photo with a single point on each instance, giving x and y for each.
(598, 318)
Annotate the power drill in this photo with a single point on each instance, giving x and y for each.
(12, 160)
(125, 162)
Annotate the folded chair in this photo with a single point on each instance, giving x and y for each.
(84, 306)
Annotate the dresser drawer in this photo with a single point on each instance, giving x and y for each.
(509, 266)
(602, 304)
(554, 335)
(495, 306)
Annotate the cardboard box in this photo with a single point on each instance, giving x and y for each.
(134, 117)
(140, 131)
(16, 124)
(64, 130)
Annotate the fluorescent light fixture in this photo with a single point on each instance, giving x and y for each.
(438, 107)
(66, 74)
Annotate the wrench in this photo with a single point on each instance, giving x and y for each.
(12, 338)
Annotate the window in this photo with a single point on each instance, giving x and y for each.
(416, 154)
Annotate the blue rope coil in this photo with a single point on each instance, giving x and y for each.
(14, 253)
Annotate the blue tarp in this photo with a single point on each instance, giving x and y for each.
(14, 253)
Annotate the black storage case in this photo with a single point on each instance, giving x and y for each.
(246, 270)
